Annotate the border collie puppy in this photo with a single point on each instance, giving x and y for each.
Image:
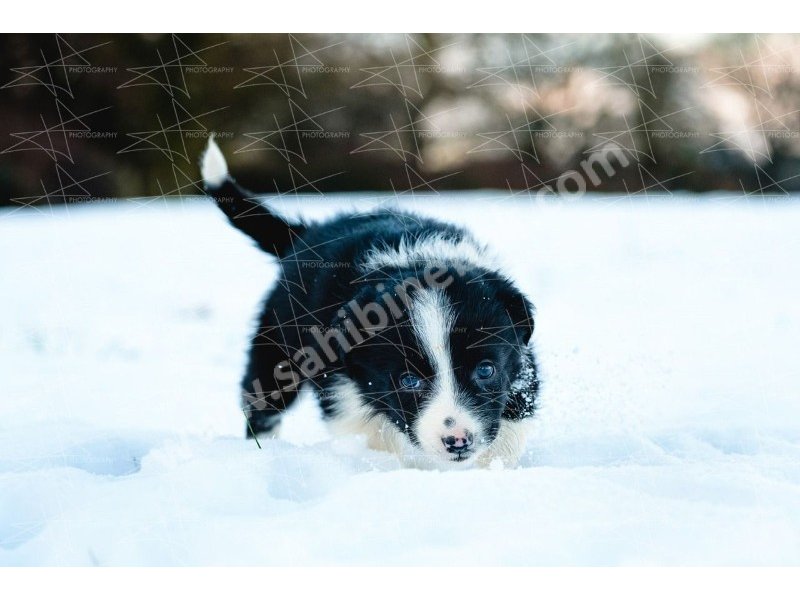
(401, 324)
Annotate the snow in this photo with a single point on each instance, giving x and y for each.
(669, 432)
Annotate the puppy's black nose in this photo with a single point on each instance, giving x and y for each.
(458, 443)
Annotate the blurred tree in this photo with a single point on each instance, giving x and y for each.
(95, 116)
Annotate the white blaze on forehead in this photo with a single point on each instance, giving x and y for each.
(432, 319)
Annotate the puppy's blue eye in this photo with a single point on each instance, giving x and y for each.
(485, 370)
(409, 381)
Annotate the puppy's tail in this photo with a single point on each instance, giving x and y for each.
(272, 233)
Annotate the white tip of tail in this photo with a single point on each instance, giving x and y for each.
(213, 166)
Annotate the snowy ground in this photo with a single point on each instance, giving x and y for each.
(668, 332)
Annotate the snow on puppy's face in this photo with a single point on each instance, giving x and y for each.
(440, 371)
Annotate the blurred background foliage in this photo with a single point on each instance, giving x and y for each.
(88, 117)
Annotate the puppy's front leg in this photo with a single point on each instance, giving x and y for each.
(509, 444)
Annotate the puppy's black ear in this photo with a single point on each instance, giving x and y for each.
(521, 312)
(522, 399)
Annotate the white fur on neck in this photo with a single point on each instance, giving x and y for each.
(354, 417)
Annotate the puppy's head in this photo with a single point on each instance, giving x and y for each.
(438, 361)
